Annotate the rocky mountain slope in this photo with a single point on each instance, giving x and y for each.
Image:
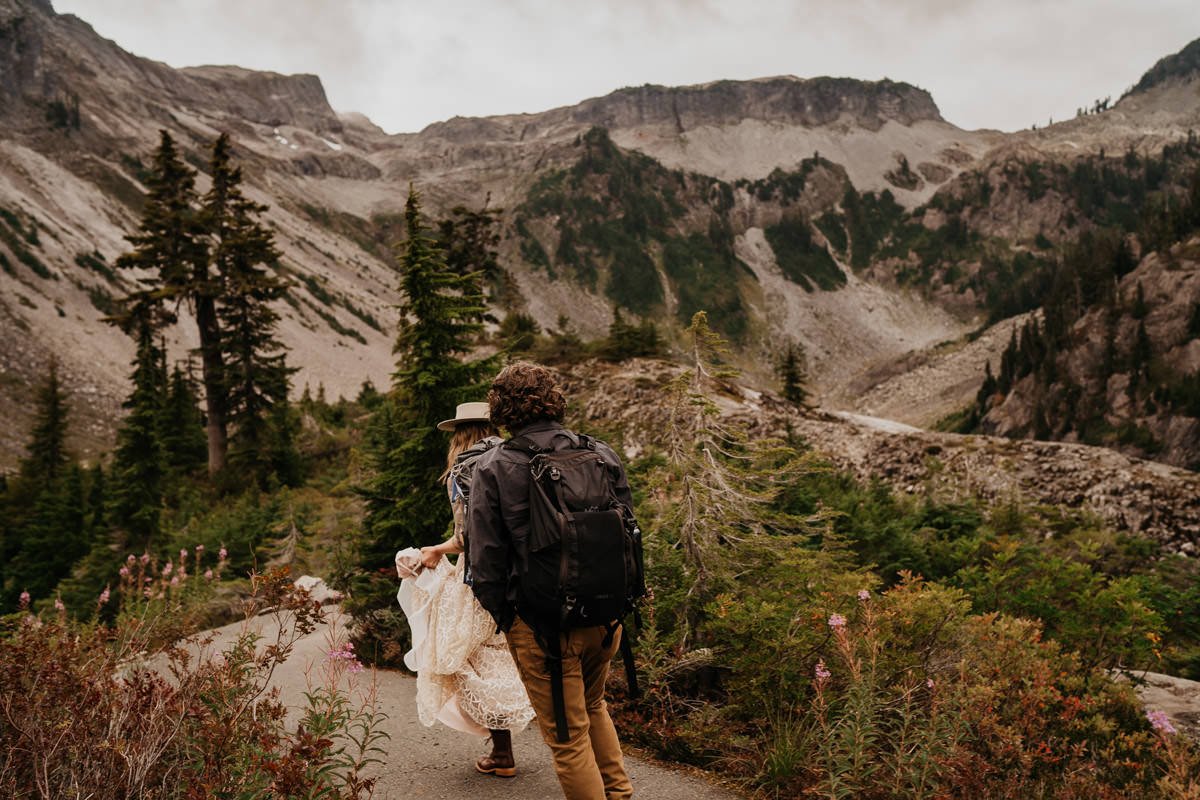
(774, 204)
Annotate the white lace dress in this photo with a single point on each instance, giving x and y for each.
(466, 677)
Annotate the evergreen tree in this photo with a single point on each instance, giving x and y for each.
(253, 360)
(139, 465)
(181, 425)
(47, 446)
(1140, 309)
(170, 245)
(1139, 358)
(627, 341)
(986, 390)
(519, 332)
(1108, 363)
(441, 312)
(1008, 364)
(54, 537)
(469, 240)
(406, 504)
(793, 374)
(723, 483)
(368, 396)
(280, 457)
(97, 497)
(44, 511)
(1041, 426)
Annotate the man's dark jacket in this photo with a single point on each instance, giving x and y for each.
(498, 515)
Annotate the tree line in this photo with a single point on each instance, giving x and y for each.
(212, 257)
(1085, 278)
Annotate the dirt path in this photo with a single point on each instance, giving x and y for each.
(437, 763)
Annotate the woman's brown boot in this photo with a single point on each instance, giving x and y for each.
(500, 762)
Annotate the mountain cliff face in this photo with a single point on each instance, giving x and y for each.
(793, 210)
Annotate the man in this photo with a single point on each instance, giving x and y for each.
(525, 400)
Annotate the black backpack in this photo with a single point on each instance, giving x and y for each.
(583, 564)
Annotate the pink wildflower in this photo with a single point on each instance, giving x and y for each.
(222, 553)
(929, 683)
(103, 597)
(822, 672)
(199, 550)
(837, 621)
(167, 569)
(58, 605)
(1160, 722)
(345, 652)
(174, 580)
(131, 559)
(864, 595)
(123, 572)
(208, 576)
(182, 555)
(145, 558)
(23, 603)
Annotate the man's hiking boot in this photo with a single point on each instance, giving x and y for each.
(501, 762)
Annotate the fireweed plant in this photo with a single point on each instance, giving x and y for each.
(123, 707)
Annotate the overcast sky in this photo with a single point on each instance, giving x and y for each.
(988, 63)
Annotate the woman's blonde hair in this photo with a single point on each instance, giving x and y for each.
(465, 434)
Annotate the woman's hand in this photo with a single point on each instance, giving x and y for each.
(431, 557)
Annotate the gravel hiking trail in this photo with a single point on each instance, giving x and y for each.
(437, 763)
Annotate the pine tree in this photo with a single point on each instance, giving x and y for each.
(1139, 358)
(1140, 309)
(1008, 365)
(792, 373)
(253, 360)
(44, 510)
(181, 425)
(469, 239)
(440, 314)
(406, 505)
(1108, 362)
(170, 245)
(54, 537)
(139, 465)
(48, 444)
(986, 390)
(722, 484)
(97, 497)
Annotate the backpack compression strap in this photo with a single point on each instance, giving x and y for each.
(552, 648)
(626, 655)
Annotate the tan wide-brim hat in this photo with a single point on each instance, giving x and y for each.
(466, 412)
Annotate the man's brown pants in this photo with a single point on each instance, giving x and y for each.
(589, 764)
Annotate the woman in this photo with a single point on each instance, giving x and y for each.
(466, 677)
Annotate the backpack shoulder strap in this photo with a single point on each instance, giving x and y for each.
(524, 444)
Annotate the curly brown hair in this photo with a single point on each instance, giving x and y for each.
(525, 392)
